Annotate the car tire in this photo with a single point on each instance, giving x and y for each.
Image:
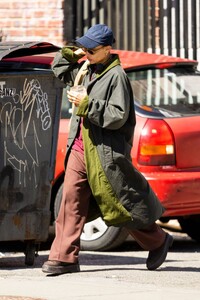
(96, 236)
(191, 225)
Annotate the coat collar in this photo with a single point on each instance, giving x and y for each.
(101, 69)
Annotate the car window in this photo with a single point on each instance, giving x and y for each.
(167, 90)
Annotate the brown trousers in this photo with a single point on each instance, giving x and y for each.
(73, 213)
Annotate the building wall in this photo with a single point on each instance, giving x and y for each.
(169, 27)
(32, 20)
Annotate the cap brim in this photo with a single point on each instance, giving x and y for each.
(87, 43)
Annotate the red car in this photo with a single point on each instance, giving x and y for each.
(166, 142)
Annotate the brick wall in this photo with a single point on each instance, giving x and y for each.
(32, 20)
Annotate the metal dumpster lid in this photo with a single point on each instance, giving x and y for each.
(15, 49)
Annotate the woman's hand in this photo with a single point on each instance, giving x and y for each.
(75, 97)
(79, 52)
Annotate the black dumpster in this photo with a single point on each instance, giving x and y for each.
(30, 100)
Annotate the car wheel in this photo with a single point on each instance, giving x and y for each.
(96, 236)
(191, 225)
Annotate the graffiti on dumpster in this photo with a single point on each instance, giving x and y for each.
(5, 91)
(19, 115)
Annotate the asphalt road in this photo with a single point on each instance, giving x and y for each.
(120, 274)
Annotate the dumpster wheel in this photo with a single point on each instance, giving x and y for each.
(30, 253)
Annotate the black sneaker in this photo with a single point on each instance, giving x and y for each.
(157, 257)
(55, 267)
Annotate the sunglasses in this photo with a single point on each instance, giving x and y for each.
(92, 51)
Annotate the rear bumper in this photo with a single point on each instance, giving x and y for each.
(179, 192)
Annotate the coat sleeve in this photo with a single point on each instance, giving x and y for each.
(112, 112)
(65, 66)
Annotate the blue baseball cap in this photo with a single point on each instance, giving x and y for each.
(97, 35)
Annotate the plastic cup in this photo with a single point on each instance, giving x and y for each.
(78, 90)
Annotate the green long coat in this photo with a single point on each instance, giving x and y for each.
(123, 196)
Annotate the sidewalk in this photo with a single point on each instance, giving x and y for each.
(105, 276)
(71, 287)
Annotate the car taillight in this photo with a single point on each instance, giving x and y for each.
(156, 145)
